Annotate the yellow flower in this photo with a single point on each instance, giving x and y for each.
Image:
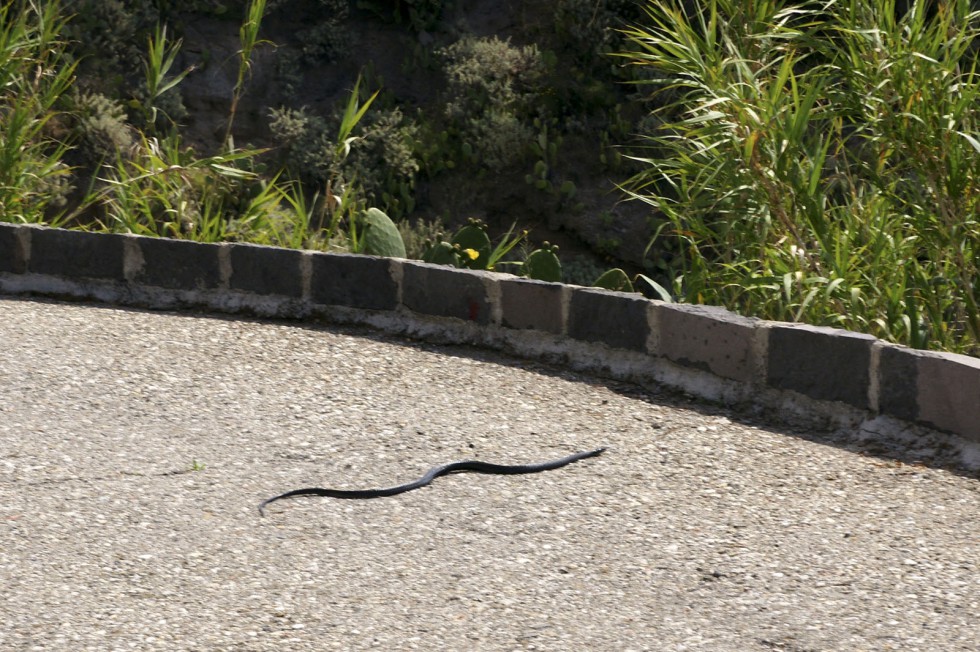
(472, 253)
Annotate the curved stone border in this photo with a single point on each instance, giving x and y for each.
(817, 372)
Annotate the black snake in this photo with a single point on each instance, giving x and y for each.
(453, 467)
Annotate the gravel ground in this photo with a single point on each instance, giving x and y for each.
(136, 446)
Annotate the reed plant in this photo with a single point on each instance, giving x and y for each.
(34, 74)
(248, 37)
(164, 189)
(161, 55)
(818, 161)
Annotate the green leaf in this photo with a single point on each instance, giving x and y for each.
(971, 139)
(614, 279)
(660, 290)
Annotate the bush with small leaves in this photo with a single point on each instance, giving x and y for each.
(382, 160)
(108, 38)
(305, 146)
(579, 270)
(589, 29)
(492, 98)
(326, 37)
(419, 15)
(490, 72)
(418, 235)
(99, 128)
(500, 138)
(289, 73)
(327, 41)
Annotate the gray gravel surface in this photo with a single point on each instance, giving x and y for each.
(136, 446)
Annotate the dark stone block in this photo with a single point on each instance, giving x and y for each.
(708, 338)
(949, 393)
(529, 304)
(77, 254)
(266, 270)
(898, 375)
(445, 292)
(823, 363)
(617, 319)
(353, 281)
(179, 264)
(13, 258)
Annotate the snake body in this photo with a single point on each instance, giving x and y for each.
(453, 467)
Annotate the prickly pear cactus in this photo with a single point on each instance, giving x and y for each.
(614, 279)
(474, 245)
(543, 264)
(442, 253)
(381, 236)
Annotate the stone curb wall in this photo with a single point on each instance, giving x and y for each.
(817, 372)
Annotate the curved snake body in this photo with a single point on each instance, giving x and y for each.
(454, 467)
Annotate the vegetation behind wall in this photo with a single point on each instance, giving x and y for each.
(803, 161)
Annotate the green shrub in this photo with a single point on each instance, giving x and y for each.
(169, 110)
(380, 160)
(108, 38)
(305, 145)
(488, 72)
(589, 29)
(383, 160)
(821, 162)
(325, 42)
(492, 98)
(581, 271)
(100, 130)
(159, 186)
(289, 73)
(327, 36)
(419, 15)
(418, 235)
(139, 183)
(499, 137)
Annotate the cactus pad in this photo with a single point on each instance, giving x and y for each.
(381, 236)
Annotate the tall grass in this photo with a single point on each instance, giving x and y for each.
(159, 186)
(163, 188)
(34, 73)
(819, 161)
